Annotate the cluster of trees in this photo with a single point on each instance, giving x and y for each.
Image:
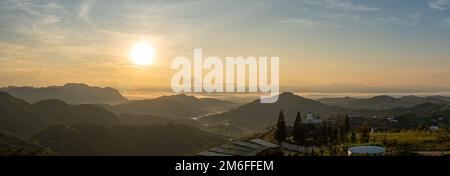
(335, 130)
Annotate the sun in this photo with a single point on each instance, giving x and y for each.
(142, 53)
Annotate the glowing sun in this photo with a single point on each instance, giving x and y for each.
(142, 53)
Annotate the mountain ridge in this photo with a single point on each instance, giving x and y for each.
(179, 106)
(72, 93)
(382, 102)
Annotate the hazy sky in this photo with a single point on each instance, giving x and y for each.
(323, 45)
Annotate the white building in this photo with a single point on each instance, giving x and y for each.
(311, 119)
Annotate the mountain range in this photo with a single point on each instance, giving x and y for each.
(70, 93)
(383, 102)
(176, 106)
(19, 116)
(91, 130)
(166, 125)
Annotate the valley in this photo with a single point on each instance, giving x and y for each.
(189, 124)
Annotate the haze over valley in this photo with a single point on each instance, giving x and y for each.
(100, 121)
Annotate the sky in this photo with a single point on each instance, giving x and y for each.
(325, 46)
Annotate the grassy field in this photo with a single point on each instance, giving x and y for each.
(407, 142)
(422, 142)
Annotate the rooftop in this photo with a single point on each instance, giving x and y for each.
(239, 148)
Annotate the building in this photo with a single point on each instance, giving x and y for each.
(240, 148)
(311, 119)
(366, 151)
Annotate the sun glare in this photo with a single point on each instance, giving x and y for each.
(142, 53)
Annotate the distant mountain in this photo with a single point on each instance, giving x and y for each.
(425, 110)
(70, 93)
(342, 102)
(18, 116)
(57, 111)
(176, 106)
(383, 102)
(126, 140)
(420, 100)
(379, 103)
(256, 116)
(146, 120)
(445, 98)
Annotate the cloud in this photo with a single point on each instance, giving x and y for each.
(50, 19)
(301, 21)
(8, 50)
(438, 4)
(84, 11)
(408, 19)
(447, 21)
(341, 5)
(24, 6)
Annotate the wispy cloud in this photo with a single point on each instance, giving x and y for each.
(408, 19)
(301, 21)
(84, 11)
(311, 23)
(341, 5)
(447, 22)
(23, 4)
(51, 19)
(438, 4)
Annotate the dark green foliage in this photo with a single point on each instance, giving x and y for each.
(365, 132)
(299, 133)
(346, 125)
(280, 132)
(11, 145)
(353, 137)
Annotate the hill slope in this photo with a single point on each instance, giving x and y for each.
(256, 116)
(11, 145)
(126, 140)
(176, 106)
(18, 116)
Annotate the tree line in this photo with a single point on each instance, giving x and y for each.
(334, 130)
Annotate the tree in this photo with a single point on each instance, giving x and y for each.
(298, 133)
(324, 135)
(353, 137)
(346, 127)
(365, 132)
(330, 134)
(280, 132)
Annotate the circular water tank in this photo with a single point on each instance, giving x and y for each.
(366, 151)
